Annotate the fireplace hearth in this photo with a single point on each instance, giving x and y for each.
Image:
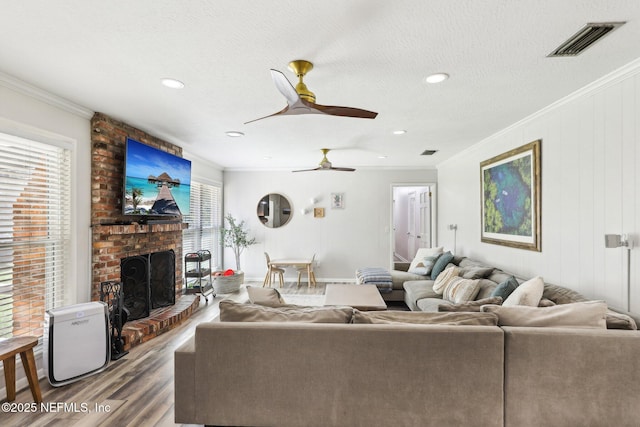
(148, 281)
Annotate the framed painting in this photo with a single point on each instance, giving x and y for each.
(337, 200)
(318, 212)
(510, 195)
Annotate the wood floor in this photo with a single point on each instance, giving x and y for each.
(137, 389)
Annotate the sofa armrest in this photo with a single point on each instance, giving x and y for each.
(185, 381)
(401, 266)
(570, 377)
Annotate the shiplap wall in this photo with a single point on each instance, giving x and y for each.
(590, 187)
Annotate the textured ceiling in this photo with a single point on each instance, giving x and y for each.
(109, 56)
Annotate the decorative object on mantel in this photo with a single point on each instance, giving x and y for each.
(318, 212)
(510, 194)
(236, 237)
(337, 200)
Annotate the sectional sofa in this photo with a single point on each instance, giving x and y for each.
(402, 368)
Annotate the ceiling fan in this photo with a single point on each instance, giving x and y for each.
(325, 165)
(300, 100)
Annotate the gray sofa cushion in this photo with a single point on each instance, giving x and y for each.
(479, 319)
(399, 277)
(430, 304)
(231, 311)
(415, 290)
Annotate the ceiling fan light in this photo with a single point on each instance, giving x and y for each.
(234, 133)
(172, 83)
(437, 77)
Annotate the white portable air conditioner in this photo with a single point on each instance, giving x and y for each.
(76, 342)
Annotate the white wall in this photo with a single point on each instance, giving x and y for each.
(357, 236)
(31, 113)
(590, 187)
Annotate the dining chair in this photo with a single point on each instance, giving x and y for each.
(271, 272)
(311, 274)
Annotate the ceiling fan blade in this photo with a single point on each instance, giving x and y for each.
(285, 87)
(342, 169)
(308, 170)
(283, 111)
(345, 111)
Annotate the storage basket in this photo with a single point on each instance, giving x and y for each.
(228, 284)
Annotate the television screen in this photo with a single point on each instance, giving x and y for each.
(156, 182)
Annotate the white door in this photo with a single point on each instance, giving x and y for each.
(412, 228)
(424, 218)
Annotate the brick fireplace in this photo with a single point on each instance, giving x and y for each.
(114, 235)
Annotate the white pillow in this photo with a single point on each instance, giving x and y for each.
(423, 253)
(587, 314)
(443, 279)
(528, 293)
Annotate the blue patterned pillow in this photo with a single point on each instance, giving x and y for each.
(505, 288)
(441, 263)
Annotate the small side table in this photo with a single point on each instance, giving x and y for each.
(8, 350)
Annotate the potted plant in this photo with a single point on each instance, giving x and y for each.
(236, 237)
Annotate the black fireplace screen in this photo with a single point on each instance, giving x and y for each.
(148, 281)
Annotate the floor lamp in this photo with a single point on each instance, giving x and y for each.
(617, 241)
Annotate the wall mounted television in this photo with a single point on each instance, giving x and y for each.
(156, 183)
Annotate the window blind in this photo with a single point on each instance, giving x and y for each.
(205, 220)
(35, 232)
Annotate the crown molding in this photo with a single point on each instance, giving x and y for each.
(34, 92)
(613, 78)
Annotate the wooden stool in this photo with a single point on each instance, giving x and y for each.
(8, 350)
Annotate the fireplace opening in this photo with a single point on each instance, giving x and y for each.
(148, 281)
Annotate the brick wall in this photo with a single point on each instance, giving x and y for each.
(110, 240)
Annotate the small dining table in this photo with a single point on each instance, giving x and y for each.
(297, 263)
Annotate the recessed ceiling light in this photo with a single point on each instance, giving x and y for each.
(382, 157)
(172, 83)
(399, 132)
(234, 133)
(437, 78)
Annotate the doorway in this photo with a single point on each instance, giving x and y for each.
(412, 220)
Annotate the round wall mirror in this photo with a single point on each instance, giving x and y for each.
(274, 210)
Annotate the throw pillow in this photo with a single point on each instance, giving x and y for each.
(440, 264)
(424, 267)
(617, 320)
(476, 272)
(528, 293)
(460, 290)
(505, 288)
(471, 305)
(420, 317)
(443, 278)
(588, 314)
(231, 311)
(422, 254)
(546, 302)
(265, 296)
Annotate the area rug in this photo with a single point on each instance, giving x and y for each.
(309, 300)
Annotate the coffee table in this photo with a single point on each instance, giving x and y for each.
(362, 297)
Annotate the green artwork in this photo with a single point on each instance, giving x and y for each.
(507, 198)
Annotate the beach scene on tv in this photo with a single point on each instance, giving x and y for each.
(156, 183)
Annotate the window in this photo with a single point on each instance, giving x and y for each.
(205, 221)
(35, 232)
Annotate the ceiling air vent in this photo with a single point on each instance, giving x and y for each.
(584, 38)
(428, 152)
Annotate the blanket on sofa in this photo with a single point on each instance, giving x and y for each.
(380, 277)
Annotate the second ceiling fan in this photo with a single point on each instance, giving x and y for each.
(300, 100)
(325, 164)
